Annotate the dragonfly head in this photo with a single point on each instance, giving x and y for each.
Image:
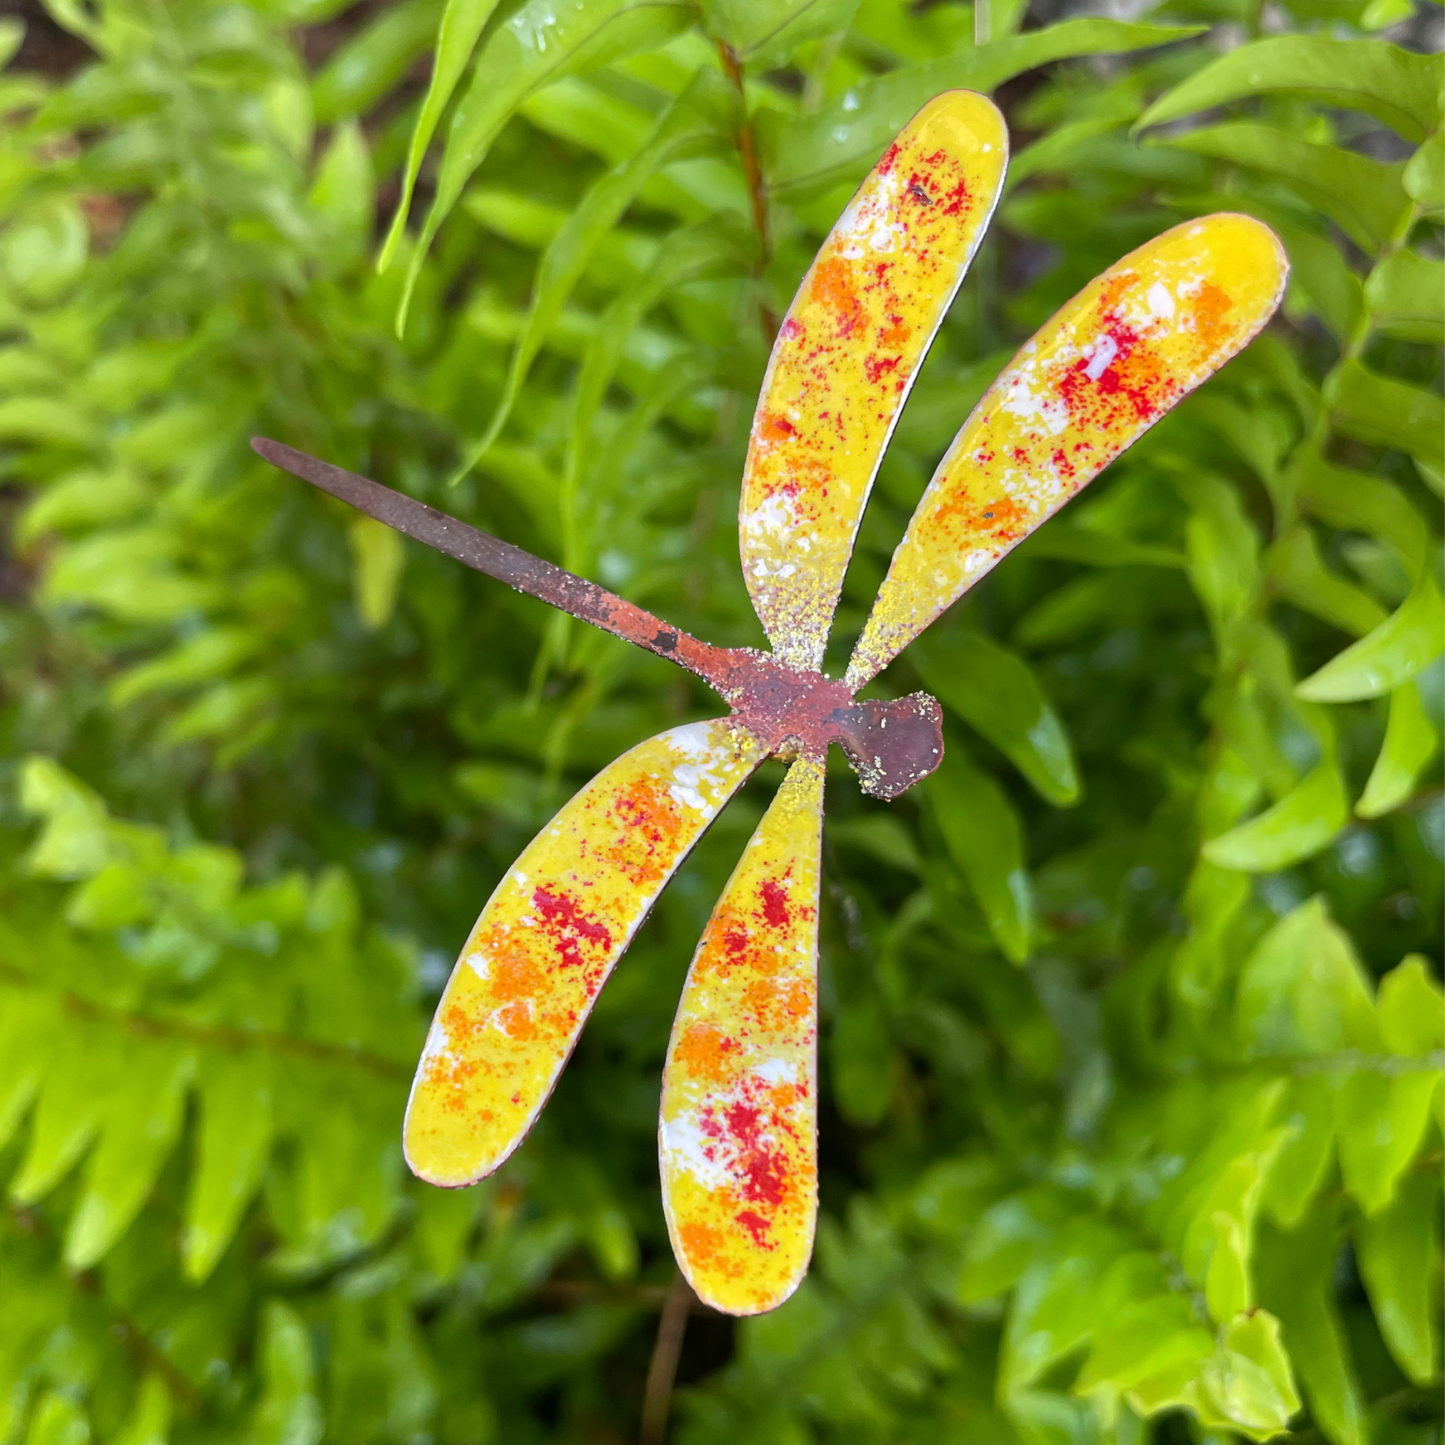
(891, 745)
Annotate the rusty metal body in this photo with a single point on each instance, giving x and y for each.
(792, 711)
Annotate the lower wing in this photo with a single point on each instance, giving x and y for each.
(548, 939)
(738, 1139)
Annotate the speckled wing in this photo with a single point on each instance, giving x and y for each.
(1105, 368)
(847, 354)
(738, 1139)
(549, 937)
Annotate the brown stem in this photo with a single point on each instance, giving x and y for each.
(662, 1372)
(753, 174)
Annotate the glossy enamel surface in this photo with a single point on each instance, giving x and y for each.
(847, 354)
(548, 938)
(738, 1135)
(1100, 373)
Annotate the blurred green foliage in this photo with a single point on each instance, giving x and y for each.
(1133, 1029)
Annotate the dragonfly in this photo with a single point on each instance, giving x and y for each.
(737, 1138)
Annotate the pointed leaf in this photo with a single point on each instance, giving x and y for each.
(461, 25)
(1387, 413)
(1365, 197)
(541, 41)
(1296, 827)
(1398, 1252)
(995, 692)
(1410, 743)
(699, 114)
(72, 1104)
(985, 840)
(1250, 1379)
(234, 1144)
(143, 1121)
(808, 153)
(1387, 658)
(1396, 86)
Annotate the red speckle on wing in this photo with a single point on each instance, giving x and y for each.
(774, 898)
(570, 928)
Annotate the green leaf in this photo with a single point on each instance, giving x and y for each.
(1406, 294)
(751, 27)
(75, 841)
(1094, 548)
(234, 1145)
(539, 43)
(1296, 1286)
(369, 64)
(1396, 86)
(1142, 1342)
(1410, 743)
(1380, 1123)
(378, 556)
(461, 24)
(71, 1107)
(1296, 827)
(1060, 1300)
(720, 246)
(1387, 413)
(1364, 197)
(58, 1420)
(1358, 502)
(1304, 1159)
(1425, 175)
(143, 1121)
(289, 1412)
(1303, 990)
(1294, 566)
(345, 194)
(25, 1028)
(1011, 1234)
(1250, 1378)
(995, 692)
(985, 840)
(43, 250)
(696, 116)
(806, 154)
(1406, 642)
(149, 1422)
(1398, 1252)
(1412, 1010)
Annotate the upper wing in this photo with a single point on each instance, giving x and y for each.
(738, 1141)
(548, 938)
(1102, 371)
(847, 354)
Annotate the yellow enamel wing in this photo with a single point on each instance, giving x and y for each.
(737, 1136)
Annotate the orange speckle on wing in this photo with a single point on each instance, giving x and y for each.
(704, 1050)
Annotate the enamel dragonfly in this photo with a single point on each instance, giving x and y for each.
(737, 1135)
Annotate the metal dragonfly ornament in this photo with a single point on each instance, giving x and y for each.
(738, 1135)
